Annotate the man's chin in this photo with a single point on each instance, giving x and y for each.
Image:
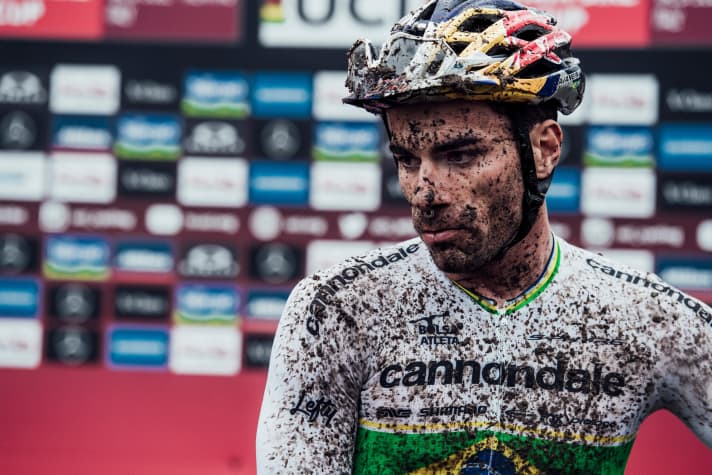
(452, 260)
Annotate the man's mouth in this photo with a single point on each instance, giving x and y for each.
(439, 236)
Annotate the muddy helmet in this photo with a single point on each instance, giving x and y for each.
(490, 50)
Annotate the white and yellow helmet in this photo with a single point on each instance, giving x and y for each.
(490, 50)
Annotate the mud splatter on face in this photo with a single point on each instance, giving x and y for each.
(459, 170)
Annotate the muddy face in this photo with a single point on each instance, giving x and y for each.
(458, 166)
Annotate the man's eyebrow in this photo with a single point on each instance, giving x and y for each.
(397, 149)
(455, 144)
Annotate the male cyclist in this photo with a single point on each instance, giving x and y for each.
(487, 345)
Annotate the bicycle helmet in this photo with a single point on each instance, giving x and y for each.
(479, 50)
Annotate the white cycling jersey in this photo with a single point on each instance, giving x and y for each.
(383, 365)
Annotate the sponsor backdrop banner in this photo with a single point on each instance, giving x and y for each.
(158, 201)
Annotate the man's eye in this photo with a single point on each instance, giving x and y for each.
(460, 157)
(406, 161)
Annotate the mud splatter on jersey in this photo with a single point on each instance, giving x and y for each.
(382, 365)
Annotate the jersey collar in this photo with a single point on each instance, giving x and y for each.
(510, 306)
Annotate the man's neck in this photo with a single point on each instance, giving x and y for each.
(519, 268)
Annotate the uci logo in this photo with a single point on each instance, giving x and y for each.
(488, 462)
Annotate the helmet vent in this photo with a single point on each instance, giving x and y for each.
(427, 13)
(458, 46)
(478, 24)
(502, 50)
(541, 68)
(530, 33)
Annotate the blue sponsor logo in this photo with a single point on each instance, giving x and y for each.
(140, 256)
(685, 147)
(686, 273)
(148, 136)
(136, 347)
(216, 94)
(207, 303)
(76, 257)
(282, 95)
(619, 146)
(345, 141)
(267, 304)
(19, 298)
(82, 133)
(285, 183)
(564, 194)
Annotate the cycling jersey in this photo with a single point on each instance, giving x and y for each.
(383, 365)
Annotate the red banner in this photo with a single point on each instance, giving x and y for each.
(601, 23)
(174, 20)
(64, 19)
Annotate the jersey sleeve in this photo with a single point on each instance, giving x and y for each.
(686, 359)
(307, 422)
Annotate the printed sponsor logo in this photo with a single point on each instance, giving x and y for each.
(275, 263)
(564, 193)
(58, 217)
(74, 302)
(211, 222)
(268, 222)
(147, 179)
(281, 139)
(137, 347)
(684, 192)
(268, 304)
(623, 99)
(704, 235)
(209, 260)
(685, 147)
(352, 225)
(82, 177)
(20, 343)
(216, 94)
(282, 95)
(82, 133)
(76, 257)
(559, 378)
(315, 410)
(437, 329)
(692, 274)
(216, 137)
(284, 183)
(258, 349)
(689, 100)
(144, 256)
(217, 182)
(657, 285)
(602, 233)
(586, 335)
(205, 350)
(85, 89)
(72, 345)
(22, 176)
(618, 192)
(466, 409)
(20, 87)
(621, 147)
(144, 302)
(19, 298)
(19, 131)
(556, 419)
(343, 141)
(345, 186)
(164, 219)
(329, 90)
(13, 215)
(202, 303)
(150, 92)
(320, 23)
(345, 278)
(148, 136)
(18, 253)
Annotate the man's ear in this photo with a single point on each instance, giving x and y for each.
(546, 137)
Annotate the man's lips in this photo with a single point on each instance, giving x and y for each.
(436, 236)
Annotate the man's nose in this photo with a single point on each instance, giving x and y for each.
(430, 191)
